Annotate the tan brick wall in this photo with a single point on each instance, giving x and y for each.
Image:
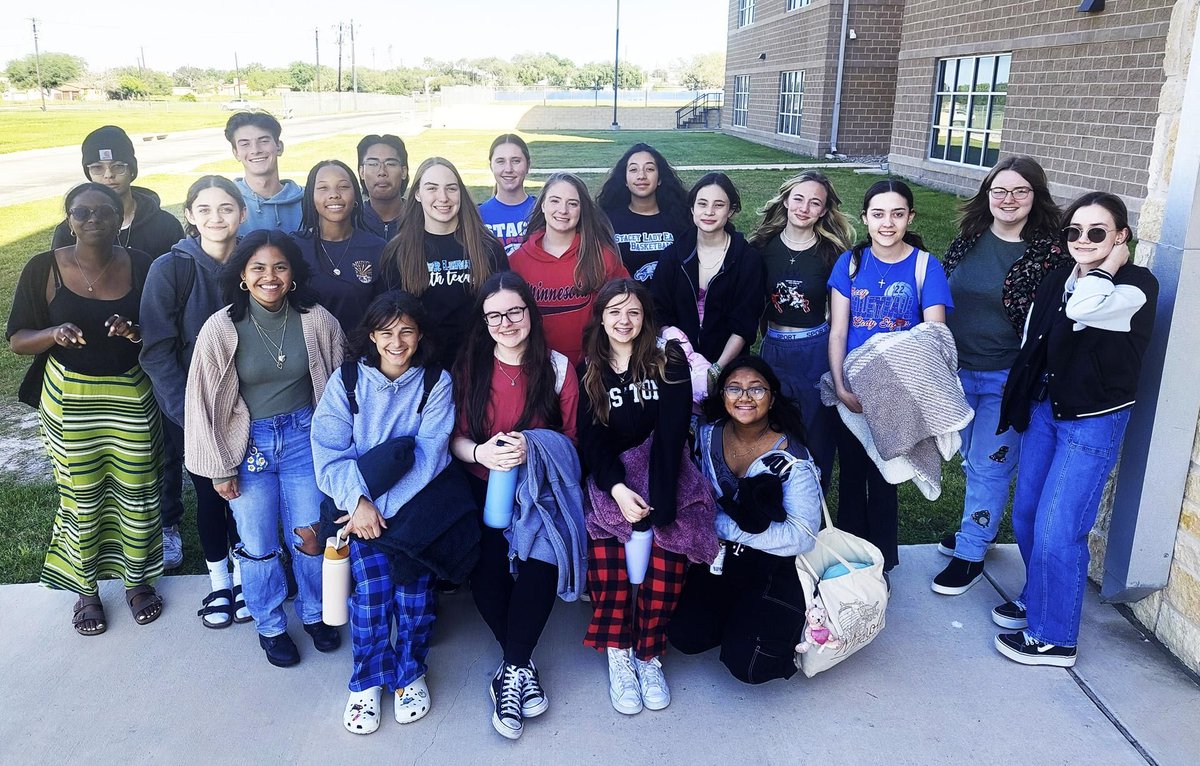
(1083, 90)
(807, 39)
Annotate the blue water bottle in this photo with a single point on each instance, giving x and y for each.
(501, 492)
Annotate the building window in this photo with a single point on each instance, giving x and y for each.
(794, 4)
(791, 102)
(741, 99)
(745, 12)
(968, 109)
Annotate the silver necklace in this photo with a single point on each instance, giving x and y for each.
(91, 283)
(719, 261)
(883, 275)
(795, 247)
(337, 267)
(512, 379)
(272, 346)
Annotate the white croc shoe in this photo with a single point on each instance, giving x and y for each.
(412, 702)
(362, 711)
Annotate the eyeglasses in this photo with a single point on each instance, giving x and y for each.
(754, 392)
(374, 165)
(102, 213)
(1020, 194)
(101, 169)
(513, 315)
(1095, 234)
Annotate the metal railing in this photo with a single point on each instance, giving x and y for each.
(703, 111)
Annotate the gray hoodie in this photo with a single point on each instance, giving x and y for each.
(171, 320)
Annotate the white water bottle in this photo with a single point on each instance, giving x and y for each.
(637, 555)
(335, 581)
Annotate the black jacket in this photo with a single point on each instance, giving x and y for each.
(1090, 371)
(735, 299)
(154, 231)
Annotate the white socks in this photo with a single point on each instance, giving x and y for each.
(218, 574)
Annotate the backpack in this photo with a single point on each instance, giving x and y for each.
(431, 374)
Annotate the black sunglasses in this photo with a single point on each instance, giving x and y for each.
(1095, 234)
(102, 212)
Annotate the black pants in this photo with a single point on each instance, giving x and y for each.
(171, 480)
(868, 505)
(754, 612)
(214, 520)
(516, 609)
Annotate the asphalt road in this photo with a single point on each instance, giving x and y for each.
(41, 173)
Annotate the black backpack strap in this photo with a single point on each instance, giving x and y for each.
(350, 380)
(185, 280)
(432, 374)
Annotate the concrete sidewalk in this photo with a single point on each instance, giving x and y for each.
(929, 690)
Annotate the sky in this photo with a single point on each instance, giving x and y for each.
(388, 32)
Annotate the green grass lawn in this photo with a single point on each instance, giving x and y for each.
(27, 509)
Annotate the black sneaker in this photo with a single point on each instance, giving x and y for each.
(533, 697)
(506, 694)
(281, 650)
(1019, 647)
(325, 637)
(1011, 615)
(950, 539)
(958, 577)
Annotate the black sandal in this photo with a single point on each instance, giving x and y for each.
(211, 608)
(239, 604)
(144, 604)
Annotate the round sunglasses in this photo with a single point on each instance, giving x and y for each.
(1095, 234)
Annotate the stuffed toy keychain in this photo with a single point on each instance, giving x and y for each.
(817, 633)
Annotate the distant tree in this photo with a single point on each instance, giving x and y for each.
(56, 68)
(704, 71)
(126, 87)
(262, 80)
(133, 82)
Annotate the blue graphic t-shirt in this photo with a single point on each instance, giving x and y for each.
(507, 222)
(883, 296)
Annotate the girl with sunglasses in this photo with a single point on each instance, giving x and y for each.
(1069, 395)
(1007, 243)
(76, 311)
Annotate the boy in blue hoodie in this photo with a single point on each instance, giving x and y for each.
(270, 202)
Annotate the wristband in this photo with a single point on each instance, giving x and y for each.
(474, 456)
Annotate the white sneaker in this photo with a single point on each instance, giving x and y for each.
(653, 684)
(362, 711)
(172, 548)
(623, 689)
(412, 702)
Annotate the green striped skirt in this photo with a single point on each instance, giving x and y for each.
(102, 433)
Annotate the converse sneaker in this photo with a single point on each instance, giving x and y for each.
(958, 577)
(506, 695)
(949, 540)
(623, 688)
(652, 683)
(533, 697)
(172, 547)
(1011, 615)
(1022, 648)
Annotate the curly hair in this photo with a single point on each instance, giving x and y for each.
(783, 416)
(670, 196)
(302, 297)
(383, 311)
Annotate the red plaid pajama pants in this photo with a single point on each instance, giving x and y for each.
(618, 622)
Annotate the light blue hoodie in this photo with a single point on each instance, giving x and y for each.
(281, 212)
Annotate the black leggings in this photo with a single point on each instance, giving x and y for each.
(214, 520)
(867, 505)
(515, 609)
(754, 611)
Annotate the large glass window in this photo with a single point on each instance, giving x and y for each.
(791, 102)
(745, 12)
(968, 109)
(741, 99)
(794, 4)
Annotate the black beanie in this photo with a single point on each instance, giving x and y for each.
(108, 144)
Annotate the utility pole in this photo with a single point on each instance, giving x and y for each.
(340, 27)
(317, 44)
(37, 65)
(142, 59)
(237, 75)
(353, 60)
(617, 67)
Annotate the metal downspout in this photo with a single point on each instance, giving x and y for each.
(841, 67)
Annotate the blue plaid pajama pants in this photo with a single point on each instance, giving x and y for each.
(375, 602)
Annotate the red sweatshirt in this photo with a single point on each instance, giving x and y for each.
(564, 309)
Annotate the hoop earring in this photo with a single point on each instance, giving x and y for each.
(294, 285)
(243, 286)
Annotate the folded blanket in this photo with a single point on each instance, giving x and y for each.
(913, 403)
(692, 533)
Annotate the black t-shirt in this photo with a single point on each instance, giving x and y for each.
(642, 238)
(450, 294)
(796, 285)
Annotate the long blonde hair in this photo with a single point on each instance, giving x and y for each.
(404, 255)
(834, 231)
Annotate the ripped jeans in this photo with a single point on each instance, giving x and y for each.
(283, 493)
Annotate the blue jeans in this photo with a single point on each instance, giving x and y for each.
(988, 461)
(283, 493)
(1064, 466)
(800, 362)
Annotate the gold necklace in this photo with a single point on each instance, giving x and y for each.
(91, 283)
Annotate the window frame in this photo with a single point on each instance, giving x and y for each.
(970, 97)
(745, 15)
(792, 118)
(741, 100)
(795, 5)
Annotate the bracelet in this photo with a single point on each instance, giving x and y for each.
(474, 450)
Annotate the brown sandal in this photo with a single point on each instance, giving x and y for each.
(144, 604)
(88, 619)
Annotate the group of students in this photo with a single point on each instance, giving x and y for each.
(600, 349)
